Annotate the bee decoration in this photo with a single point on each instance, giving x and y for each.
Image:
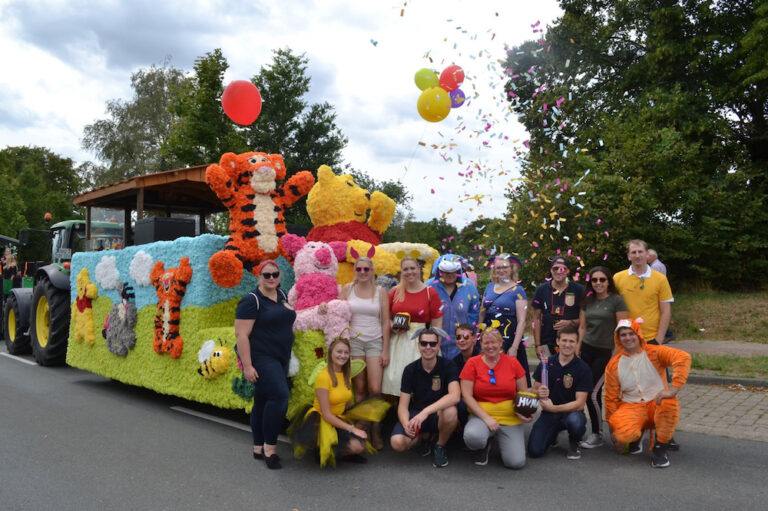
(214, 360)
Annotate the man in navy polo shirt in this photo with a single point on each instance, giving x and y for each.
(562, 397)
(429, 392)
(555, 305)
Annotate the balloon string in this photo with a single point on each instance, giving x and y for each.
(415, 148)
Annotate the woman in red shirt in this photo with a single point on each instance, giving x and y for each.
(489, 383)
(412, 306)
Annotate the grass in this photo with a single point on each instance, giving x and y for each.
(731, 364)
(721, 316)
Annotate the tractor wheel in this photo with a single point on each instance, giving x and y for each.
(49, 324)
(14, 332)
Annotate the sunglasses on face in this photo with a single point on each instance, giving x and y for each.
(360, 269)
(431, 344)
(493, 377)
(268, 275)
(560, 269)
(502, 267)
(464, 336)
(599, 279)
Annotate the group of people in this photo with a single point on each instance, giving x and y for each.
(454, 360)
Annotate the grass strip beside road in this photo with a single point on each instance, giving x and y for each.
(721, 316)
(732, 365)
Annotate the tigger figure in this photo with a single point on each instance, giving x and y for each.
(247, 185)
(170, 285)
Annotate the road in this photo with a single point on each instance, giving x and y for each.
(76, 441)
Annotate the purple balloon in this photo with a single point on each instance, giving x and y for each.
(457, 98)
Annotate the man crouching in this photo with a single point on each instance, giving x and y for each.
(637, 395)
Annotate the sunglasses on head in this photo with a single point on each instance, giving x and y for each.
(492, 377)
(362, 269)
(268, 275)
(599, 279)
(431, 344)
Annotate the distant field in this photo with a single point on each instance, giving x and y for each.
(721, 316)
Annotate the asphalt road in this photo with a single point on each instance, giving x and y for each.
(76, 441)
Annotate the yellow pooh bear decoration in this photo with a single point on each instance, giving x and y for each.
(82, 313)
(342, 211)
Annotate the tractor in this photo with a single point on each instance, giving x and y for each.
(36, 300)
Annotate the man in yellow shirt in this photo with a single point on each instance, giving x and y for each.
(646, 292)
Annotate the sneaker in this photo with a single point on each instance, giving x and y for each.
(592, 441)
(573, 450)
(425, 447)
(481, 456)
(439, 459)
(660, 456)
(673, 446)
(635, 447)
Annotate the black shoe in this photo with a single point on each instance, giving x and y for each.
(635, 447)
(660, 457)
(425, 447)
(573, 450)
(672, 445)
(273, 462)
(354, 458)
(481, 457)
(258, 456)
(440, 459)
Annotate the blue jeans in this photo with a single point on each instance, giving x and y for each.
(270, 400)
(545, 430)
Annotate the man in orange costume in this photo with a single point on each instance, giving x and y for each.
(637, 395)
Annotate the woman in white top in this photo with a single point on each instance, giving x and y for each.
(369, 325)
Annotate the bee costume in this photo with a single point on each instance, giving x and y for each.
(311, 431)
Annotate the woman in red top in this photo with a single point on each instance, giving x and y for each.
(412, 306)
(489, 383)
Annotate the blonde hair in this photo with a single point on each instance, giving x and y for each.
(346, 368)
(493, 333)
(399, 295)
(512, 267)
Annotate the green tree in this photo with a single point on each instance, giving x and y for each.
(306, 135)
(201, 132)
(643, 124)
(129, 141)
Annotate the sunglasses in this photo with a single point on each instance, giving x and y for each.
(361, 269)
(560, 269)
(431, 344)
(464, 336)
(502, 267)
(493, 377)
(599, 279)
(268, 275)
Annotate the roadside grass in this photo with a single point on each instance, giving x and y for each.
(731, 364)
(721, 316)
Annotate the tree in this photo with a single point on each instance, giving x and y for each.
(306, 135)
(201, 132)
(643, 124)
(432, 232)
(37, 181)
(129, 141)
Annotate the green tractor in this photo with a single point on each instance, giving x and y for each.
(36, 304)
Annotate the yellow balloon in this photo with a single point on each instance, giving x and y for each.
(434, 104)
(426, 78)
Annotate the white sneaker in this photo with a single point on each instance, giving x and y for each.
(592, 441)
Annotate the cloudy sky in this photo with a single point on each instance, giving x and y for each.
(62, 60)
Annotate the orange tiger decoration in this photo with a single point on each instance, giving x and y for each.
(171, 285)
(247, 185)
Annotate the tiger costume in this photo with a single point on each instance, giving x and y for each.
(247, 185)
(171, 285)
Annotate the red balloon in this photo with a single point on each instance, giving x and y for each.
(241, 102)
(451, 78)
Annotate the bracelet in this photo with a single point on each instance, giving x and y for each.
(351, 428)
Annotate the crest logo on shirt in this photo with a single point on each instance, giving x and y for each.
(436, 383)
(567, 381)
(570, 299)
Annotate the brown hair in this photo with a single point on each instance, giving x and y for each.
(346, 370)
(399, 295)
(636, 242)
(512, 267)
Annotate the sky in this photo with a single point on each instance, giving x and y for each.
(63, 60)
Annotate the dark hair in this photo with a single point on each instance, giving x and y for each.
(466, 326)
(568, 329)
(589, 295)
(429, 331)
